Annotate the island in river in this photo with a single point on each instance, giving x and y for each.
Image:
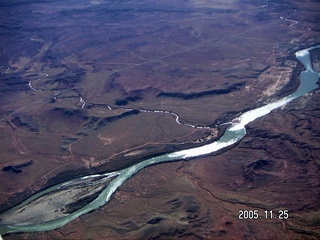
(79, 92)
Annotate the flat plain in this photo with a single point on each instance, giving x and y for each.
(75, 76)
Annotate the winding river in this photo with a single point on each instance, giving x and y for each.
(231, 136)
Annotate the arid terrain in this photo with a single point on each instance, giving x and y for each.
(275, 167)
(84, 86)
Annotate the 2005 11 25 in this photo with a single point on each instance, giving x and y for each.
(267, 214)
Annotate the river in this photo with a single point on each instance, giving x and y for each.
(231, 136)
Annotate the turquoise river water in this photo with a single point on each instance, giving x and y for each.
(231, 136)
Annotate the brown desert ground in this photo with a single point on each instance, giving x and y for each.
(77, 76)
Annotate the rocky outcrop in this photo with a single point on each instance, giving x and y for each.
(193, 95)
(17, 168)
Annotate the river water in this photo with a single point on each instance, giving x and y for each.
(231, 136)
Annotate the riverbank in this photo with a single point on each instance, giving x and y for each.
(147, 152)
(232, 135)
